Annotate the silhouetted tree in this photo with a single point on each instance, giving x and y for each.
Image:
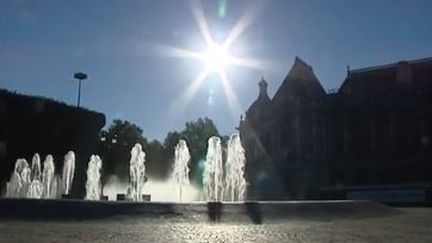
(197, 133)
(171, 141)
(157, 162)
(115, 145)
(117, 141)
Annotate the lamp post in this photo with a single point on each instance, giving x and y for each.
(80, 77)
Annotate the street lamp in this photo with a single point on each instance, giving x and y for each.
(80, 77)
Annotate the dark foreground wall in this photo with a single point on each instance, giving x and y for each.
(256, 211)
(31, 125)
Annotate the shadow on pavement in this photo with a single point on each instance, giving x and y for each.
(214, 211)
(254, 212)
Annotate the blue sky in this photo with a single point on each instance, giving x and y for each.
(42, 43)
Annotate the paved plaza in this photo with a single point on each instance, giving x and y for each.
(404, 225)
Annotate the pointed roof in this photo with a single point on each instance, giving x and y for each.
(262, 104)
(300, 81)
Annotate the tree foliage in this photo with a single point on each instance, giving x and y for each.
(196, 134)
(121, 136)
(157, 163)
(115, 145)
(171, 141)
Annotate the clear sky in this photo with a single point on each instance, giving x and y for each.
(122, 45)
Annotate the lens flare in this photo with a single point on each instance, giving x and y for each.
(222, 8)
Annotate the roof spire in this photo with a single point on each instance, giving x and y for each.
(263, 86)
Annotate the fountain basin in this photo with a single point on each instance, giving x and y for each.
(257, 211)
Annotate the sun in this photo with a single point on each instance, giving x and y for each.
(216, 57)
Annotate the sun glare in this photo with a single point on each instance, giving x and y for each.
(216, 57)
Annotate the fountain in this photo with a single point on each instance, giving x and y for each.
(20, 180)
(136, 173)
(93, 184)
(180, 175)
(213, 171)
(48, 177)
(35, 189)
(68, 172)
(31, 183)
(235, 183)
(13, 186)
(36, 168)
(55, 190)
(220, 182)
